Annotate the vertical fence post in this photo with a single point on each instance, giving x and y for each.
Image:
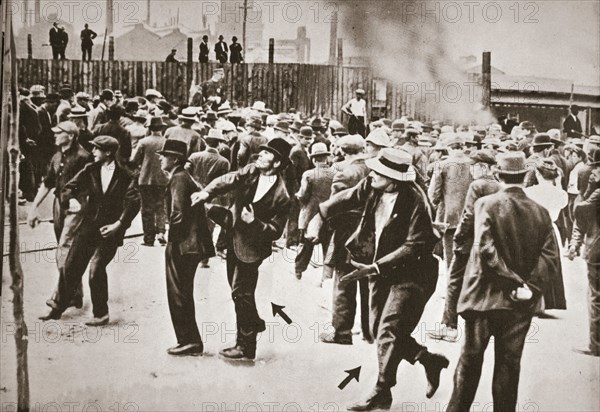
(340, 52)
(190, 63)
(29, 46)
(111, 48)
(271, 51)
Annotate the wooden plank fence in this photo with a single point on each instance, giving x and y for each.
(311, 89)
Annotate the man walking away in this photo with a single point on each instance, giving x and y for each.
(152, 183)
(514, 251)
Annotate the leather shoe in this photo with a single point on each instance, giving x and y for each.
(54, 314)
(239, 352)
(161, 239)
(190, 349)
(586, 351)
(331, 338)
(98, 321)
(299, 275)
(445, 333)
(433, 363)
(380, 398)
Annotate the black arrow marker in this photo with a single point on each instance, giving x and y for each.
(278, 310)
(352, 374)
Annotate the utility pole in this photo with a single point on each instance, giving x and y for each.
(245, 13)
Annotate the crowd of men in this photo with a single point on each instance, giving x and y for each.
(498, 207)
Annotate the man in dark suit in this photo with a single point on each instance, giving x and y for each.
(45, 141)
(114, 129)
(171, 57)
(221, 50)
(393, 246)
(189, 243)
(204, 50)
(29, 130)
(572, 125)
(236, 51)
(113, 202)
(62, 39)
(54, 40)
(87, 42)
(256, 219)
(514, 253)
(507, 123)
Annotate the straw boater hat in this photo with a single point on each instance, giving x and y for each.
(153, 93)
(225, 108)
(259, 106)
(379, 138)
(189, 113)
(360, 91)
(77, 112)
(216, 134)
(319, 149)
(394, 164)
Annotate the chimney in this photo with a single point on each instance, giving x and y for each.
(148, 12)
(109, 16)
(38, 11)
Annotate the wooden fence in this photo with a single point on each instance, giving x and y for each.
(311, 89)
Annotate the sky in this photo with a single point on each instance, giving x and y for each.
(557, 39)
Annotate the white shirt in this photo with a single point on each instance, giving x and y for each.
(552, 198)
(106, 173)
(357, 107)
(573, 187)
(264, 184)
(383, 212)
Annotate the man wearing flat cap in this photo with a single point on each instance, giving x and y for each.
(98, 115)
(113, 201)
(514, 250)
(69, 160)
(393, 247)
(189, 243)
(254, 221)
(356, 109)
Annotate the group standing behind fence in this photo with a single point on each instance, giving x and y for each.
(59, 39)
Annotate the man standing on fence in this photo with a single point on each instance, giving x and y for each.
(357, 110)
(204, 50)
(236, 51)
(87, 37)
(54, 41)
(221, 50)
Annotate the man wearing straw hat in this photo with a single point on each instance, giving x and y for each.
(392, 246)
(514, 252)
(184, 131)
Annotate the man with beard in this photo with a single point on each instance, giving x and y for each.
(255, 220)
(393, 245)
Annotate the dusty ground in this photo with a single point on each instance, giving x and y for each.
(124, 367)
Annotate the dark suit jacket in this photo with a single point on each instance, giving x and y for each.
(188, 227)
(253, 242)
(29, 126)
(463, 238)
(203, 53)
(236, 53)
(514, 243)
(53, 37)
(120, 202)
(87, 37)
(208, 165)
(113, 129)
(572, 124)
(221, 51)
(404, 254)
(45, 141)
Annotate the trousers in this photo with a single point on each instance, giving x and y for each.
(456, 274)
(89, 247)
(594, 306)
(395, 313)
(509, 329)
(181, 270)
(344, 304)
(243, 278)
(154, 213)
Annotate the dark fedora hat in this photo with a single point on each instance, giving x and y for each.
(164, 105)
(107, 94)
(156, 123)
(282, 126)
(316, 123)
(174, 147)
(542, 139)
(210, 115)
(280, 148)
(52, 98)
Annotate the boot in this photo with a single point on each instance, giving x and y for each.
(433, 363)
(379, 398)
